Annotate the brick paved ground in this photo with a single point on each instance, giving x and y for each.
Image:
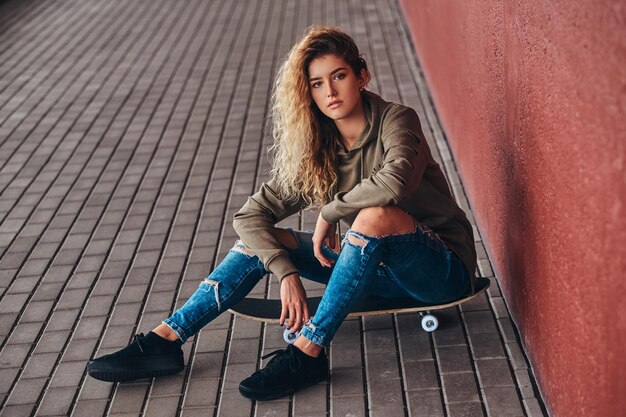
(130, 132)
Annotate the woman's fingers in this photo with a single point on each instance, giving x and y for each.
(302, 316)
(283, 314)
(331, 236)
(294, 306)
(295, 316)
(292, 317)
(323, 261)
(317, 252)
(302, 312)
(298, 323)
(322, 231)
(306, 317)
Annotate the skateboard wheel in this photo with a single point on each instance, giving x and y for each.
(430, 323)
(290, 337)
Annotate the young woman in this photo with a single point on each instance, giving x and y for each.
(360, 159)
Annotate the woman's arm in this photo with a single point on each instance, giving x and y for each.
(254, 223)
(404, 161)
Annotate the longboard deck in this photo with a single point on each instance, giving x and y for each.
(269, 310)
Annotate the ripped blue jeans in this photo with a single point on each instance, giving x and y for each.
(416, 264)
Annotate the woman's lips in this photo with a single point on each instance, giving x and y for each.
(335, 104)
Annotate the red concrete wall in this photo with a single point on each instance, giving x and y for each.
(532, 95)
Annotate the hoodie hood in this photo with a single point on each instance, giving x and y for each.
(374, 106)
(353, 160)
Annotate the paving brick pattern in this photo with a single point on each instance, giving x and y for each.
(130, 133)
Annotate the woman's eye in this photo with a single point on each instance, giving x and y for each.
(340, 76)
(316, 84)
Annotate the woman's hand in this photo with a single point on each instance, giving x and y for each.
(323, 231)
(293, 301)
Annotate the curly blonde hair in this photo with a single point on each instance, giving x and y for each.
(304, 161)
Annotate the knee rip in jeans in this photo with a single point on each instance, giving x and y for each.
(356, 240)
(216, 290)
(242, 248)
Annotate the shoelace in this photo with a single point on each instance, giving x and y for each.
(276, 352)
(284, 354)
(137, 340)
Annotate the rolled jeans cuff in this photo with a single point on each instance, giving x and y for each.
(308, 333)
(182, 336)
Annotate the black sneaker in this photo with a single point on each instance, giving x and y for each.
(146, 357)
(287, 372)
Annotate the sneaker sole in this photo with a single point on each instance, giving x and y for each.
(147, 367)
(121, 376)
(267, 396)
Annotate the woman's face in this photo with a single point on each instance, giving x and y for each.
(334, 86)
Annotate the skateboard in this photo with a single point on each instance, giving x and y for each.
(268, 311)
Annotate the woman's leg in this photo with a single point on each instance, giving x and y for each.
(234, 278)
(420, 265)
(386, 253)
(159, 352)
(305, 363)
(356, 267)
(229, 282)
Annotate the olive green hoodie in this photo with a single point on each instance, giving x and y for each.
(389, 164)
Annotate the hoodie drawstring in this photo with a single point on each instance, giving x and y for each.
(361, 153)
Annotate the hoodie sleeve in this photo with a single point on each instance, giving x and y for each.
(254, 223)
(404, 163)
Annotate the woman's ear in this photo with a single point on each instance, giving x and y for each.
(363, 79)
